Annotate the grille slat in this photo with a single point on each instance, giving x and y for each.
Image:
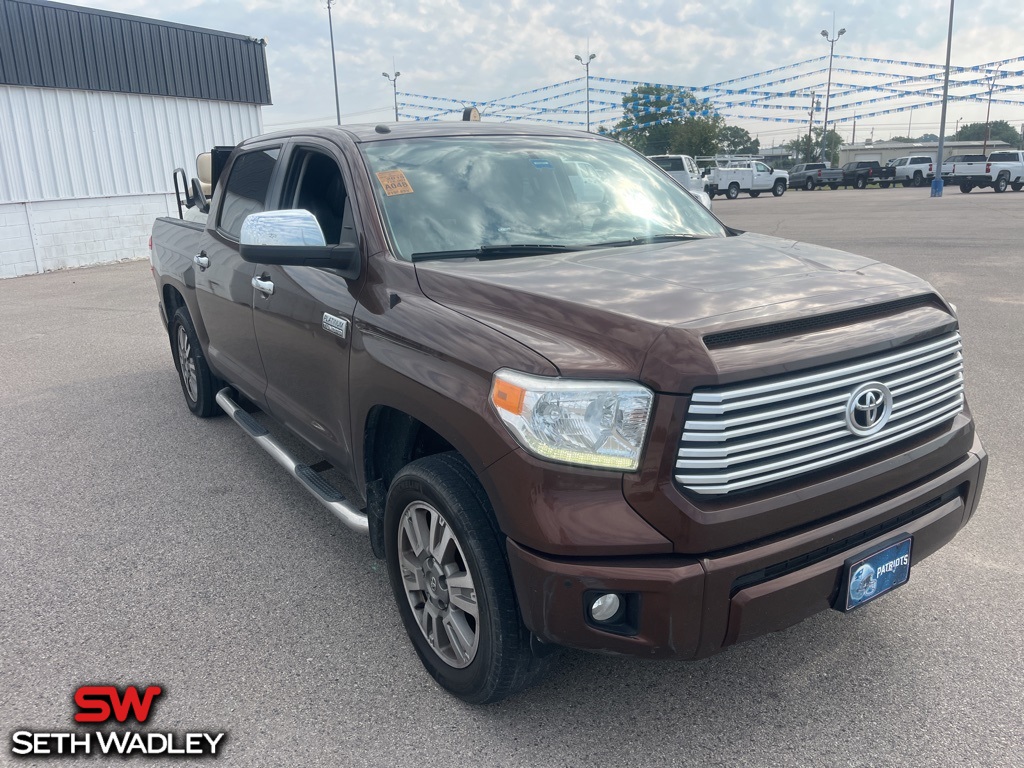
(748, 435)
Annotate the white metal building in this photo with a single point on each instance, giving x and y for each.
(96, 111)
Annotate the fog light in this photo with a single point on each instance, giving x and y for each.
(605, 608)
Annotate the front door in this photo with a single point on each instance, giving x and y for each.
(303, 326)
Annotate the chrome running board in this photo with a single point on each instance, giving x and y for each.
(323, 491)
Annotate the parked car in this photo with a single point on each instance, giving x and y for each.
(1001, 170)
(953, 160)
(810, 175)
(860, 173)
(683, 169)
(913, 170)
(750, 176)
(565, 414)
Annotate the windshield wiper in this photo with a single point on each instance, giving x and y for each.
(645, 239)
(496, 252)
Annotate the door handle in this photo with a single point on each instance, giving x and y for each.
(265, 287)
(201, 261)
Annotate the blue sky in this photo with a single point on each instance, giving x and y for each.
(475, 51)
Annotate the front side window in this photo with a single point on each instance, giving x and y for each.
(762, 168)
(452, 194)
(246, 188)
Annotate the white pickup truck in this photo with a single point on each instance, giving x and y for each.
(683, 169)
(750, 176)
(1001, 170)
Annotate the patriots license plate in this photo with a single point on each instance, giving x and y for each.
(873, 573)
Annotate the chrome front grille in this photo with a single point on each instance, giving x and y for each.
(746, 435)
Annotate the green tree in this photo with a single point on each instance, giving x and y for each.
(698, 135)
(737, 141)
(657, 119)
(808, 150)
(1001, 131)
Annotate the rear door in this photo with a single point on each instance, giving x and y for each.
(224, 282)
(303, 327)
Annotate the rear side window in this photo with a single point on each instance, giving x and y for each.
(669, 163)
(246, 189)
(921, 160)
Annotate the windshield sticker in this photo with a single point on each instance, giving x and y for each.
(394, 183)
(542, 164)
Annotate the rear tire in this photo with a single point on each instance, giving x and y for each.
(1017, 186)
(1000, 184)
(779, 188)
(966, 187)
(883, 184)
(808, 185)
(918, 179)
(860, 182)
(198, 383)
(833, 186)
(733, 191)
(753, 194)
(446, 561)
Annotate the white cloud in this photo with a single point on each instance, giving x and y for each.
(493, 48)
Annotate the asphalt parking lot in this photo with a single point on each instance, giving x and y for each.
(142, 545)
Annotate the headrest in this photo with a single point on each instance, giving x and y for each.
(204, 170)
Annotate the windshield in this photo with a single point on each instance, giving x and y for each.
(467, 193)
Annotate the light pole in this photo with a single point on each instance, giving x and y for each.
(393, 79)
(937, 182)
(334, 64)
(586, 65)
(828, 88)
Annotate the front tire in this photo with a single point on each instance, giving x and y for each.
(883, 184)
(779, 188)
(198, 383)
(447, 567)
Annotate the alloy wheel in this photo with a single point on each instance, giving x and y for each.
(439, 584)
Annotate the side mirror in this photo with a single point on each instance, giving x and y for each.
(703, 197)
(294, 239)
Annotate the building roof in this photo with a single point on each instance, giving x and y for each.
(52, 45)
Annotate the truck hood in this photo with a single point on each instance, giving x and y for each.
(597, 312)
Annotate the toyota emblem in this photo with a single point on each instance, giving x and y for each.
(868, 409)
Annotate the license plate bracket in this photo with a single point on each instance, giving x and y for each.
(874, 572)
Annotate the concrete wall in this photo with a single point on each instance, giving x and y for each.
(57, 234)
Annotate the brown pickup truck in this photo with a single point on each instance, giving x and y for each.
(573, 408)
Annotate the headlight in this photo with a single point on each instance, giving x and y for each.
(591, 423)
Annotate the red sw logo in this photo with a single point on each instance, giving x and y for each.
(97, 702)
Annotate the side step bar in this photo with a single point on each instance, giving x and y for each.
(325, 493)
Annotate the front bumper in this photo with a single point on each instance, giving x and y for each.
(689, 607)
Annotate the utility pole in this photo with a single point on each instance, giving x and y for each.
(334, 64)
(810, 129)
(988, 112)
